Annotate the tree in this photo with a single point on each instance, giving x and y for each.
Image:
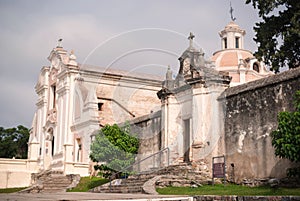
(286, 139)
(278, 36)
(115, 146)
(13, 142)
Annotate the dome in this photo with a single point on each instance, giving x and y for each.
(230, 57)
(240, 63)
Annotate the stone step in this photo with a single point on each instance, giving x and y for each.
(64, 185)
(175, 175)
(56, 183)
(52, 190)
(120, 189)
(134, 182)
(52, 181)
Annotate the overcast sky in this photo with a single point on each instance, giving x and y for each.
(132, 35)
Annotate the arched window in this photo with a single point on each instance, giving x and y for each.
(256, 67)
(79, 150)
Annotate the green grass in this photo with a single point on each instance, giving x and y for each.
(86, 184)
(11, 190)
(229, 189)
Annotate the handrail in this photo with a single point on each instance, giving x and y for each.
(138, 162)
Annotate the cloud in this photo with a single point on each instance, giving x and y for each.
(29, 31)
(24, 52)
(17, 103)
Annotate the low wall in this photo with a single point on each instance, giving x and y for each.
(251, 116)
(13, 164)
(16, 172)
(14, 179)
(77, 168)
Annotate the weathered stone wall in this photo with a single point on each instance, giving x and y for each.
(148, 129)
(251, 116)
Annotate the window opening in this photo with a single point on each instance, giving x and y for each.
(100, 105)
(237, 42)
(256, 67)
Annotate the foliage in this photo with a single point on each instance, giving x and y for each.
(278, 36)
(104, 171)
(286, 139)
(293, 172)
(13, 142)
(115, 146)
(228, 189)
(87, 183)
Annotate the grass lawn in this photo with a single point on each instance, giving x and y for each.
(86, 183)
(11, 190)
(229, 189)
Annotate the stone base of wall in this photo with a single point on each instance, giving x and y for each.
(284, 182)
(246, 198)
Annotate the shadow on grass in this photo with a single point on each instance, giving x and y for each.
(11, 190)
(87, 183)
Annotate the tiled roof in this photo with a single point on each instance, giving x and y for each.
(230, 57)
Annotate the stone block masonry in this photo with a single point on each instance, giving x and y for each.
(250, 116)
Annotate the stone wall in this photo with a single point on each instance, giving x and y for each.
(148, 129)
(251, 116)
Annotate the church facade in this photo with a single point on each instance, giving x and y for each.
(181, 119)
(75, 101)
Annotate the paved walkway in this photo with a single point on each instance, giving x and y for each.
(87, 196)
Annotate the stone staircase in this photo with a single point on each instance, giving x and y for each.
(133, 184)
(52, 182)
(174, 175)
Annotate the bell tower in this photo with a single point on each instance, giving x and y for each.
(232, 37)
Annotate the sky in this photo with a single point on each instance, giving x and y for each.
(133, 35)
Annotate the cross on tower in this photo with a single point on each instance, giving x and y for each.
(231, 13)
(59, 42)
(191, 37)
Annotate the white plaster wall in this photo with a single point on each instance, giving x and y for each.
(14, 179)
(173, 132)
(16, 172)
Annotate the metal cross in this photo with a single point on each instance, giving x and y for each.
(231, 13)
(191, 37)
